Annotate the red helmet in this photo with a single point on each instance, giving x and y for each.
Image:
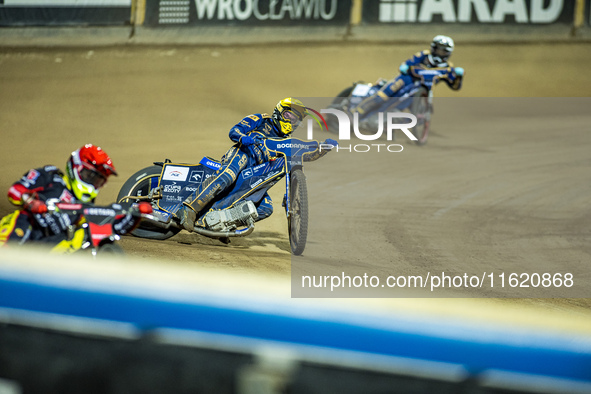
(88, 169)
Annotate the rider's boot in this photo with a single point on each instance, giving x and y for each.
(188, 217)
(192, 205)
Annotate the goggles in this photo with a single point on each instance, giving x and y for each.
(92, 177)
(292, 118)
(442, 52)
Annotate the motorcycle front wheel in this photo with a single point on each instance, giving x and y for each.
(421, 108)
(110, 249)
(140, 184)
(298, 217)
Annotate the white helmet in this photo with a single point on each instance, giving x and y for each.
(441, 49)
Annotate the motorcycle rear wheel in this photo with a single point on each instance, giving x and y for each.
(340, 102)
(342, 96)
(139, 184)
(422, 110)
(298, 218)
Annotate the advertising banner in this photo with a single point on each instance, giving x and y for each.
(64, 12)
(247, 12)
(528, 12)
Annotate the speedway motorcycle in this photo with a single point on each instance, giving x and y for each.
(88, 227)
(166, 186)
(418, 100)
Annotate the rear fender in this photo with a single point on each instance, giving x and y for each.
(178, 181)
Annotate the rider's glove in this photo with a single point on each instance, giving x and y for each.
(403, 68)
(54, 223)
(259, 140)
(130, 221)
(328, 145)
(35, 206)
(247, 141)
(459, 71)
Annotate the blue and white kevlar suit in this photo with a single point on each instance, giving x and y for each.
(238, 157)
(403, 83)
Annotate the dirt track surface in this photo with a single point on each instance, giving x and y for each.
(478, 195)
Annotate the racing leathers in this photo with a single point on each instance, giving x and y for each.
(248, 150)
(403, 83)
(30, 223)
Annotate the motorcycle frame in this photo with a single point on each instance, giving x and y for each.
(288, 159)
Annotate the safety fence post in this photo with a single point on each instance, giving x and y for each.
(579, 17)
(355, 16)
(138, 15)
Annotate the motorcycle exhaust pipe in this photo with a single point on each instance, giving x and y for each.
(225, 234)
(200, 230)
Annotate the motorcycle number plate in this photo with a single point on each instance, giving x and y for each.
(361, 90)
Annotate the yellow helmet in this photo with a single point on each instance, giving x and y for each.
(288, 114)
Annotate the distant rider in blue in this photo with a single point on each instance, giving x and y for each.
(435, 57)
(247, 151)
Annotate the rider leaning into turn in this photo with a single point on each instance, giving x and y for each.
(435, 57)
(87, 170)
(248, 150)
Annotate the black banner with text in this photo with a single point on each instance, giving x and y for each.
(534, 12)
(64, 12)
(247, 12)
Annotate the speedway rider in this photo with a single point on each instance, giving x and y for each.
(87, 170)
(248, 150)
(435, 57)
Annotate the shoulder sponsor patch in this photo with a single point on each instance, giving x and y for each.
(58, 179)
(32, 175)
(66, 196)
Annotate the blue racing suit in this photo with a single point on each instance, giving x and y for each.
(236, 159)
(403, 83)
